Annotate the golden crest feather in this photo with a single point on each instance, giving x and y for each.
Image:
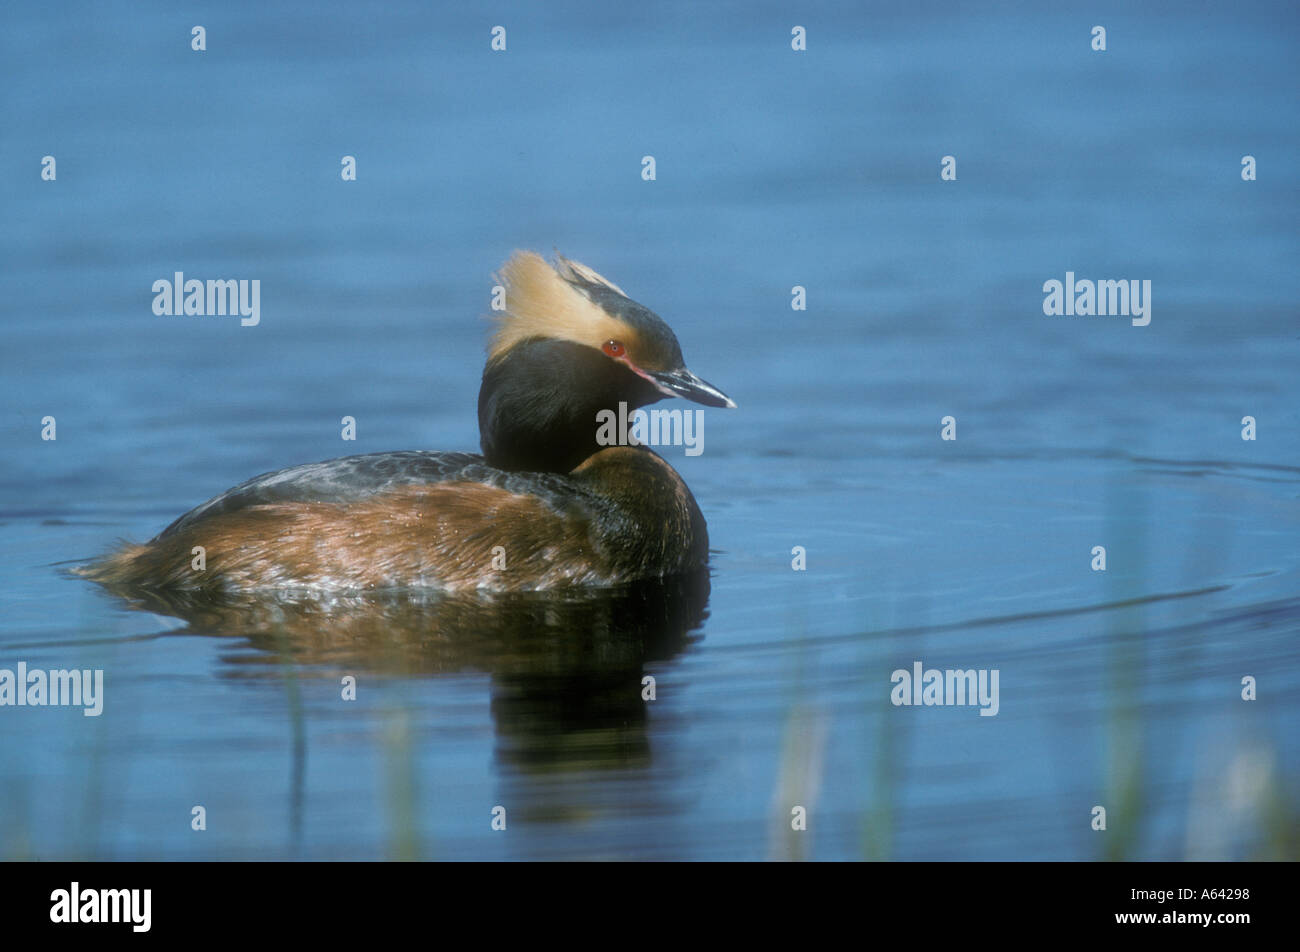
(546, 301)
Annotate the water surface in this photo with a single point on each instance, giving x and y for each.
(820, 169)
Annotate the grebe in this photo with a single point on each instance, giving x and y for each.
(545, 506)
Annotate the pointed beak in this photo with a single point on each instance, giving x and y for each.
(683, 383)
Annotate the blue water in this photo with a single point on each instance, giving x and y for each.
(820, 168)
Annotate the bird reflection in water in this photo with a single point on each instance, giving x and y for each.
(566, 666)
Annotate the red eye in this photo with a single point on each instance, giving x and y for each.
(613, 348)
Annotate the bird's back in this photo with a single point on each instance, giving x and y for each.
(426, 519)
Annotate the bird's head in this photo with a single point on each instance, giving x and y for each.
(569, 344)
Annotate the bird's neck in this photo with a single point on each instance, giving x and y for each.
(539, 402)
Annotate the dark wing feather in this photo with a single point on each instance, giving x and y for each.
(353, 478)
